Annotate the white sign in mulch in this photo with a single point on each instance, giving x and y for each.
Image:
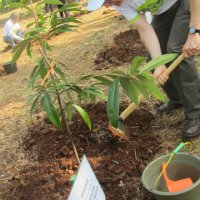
(86, 186)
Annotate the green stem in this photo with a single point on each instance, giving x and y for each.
(66, 125)
(63, 116)
(33, 12)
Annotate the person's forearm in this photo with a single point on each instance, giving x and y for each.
(195, 13)
(16, 37)
(150, 40)
(148, 36)
(13, 35)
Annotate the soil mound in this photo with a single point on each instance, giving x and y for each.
(127, 45)
(117, 164)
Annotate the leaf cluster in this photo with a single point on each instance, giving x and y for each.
(138, 80)
(45, 95)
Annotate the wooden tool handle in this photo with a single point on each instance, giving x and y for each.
(132, 106)
(174, 64)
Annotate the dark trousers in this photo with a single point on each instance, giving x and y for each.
(63, 13)
(183, 86)
(47, 7)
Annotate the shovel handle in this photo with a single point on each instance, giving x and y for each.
(174, 64)
(130, 108)
(133, 106)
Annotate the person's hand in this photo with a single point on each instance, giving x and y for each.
(160, 75)
(192, 45)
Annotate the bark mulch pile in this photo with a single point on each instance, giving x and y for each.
(118, 165)
(127, 46)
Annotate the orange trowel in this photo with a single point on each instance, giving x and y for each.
(176, 186)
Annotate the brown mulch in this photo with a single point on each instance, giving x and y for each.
(117, 164)
(127, 45)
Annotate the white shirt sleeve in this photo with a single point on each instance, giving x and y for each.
(9, 31)
(17, 27)
(128, 12)
(13, 35)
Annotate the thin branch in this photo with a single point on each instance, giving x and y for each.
(63, 116)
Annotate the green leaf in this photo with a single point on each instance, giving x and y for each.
(113, 103)
(60, 72)
(34, 71)
(28, 50)
(93, 97)
(42, 19)
(54, 84)
(42, 68)
(161, 60)
(76, 89)
(69, 6)
(84, 115)
(27, 8)
(38, 95)
(54, 2)
(58, 30)
(46, 45)
(129, 89)
(51, 111)
(35, 31)
(97, 93)
(18, 49)
(118, 72)
(103, 80)
(74, 9)
(33, 76)
(30, 24)
(63, 23)
(43, 71)
(136, 63)
(29, 99)
(140, 88)
(61, 64)
(39, 4)
(69, 111)
(71, 19)
(54, 19)
(86, 77)
(150, 85)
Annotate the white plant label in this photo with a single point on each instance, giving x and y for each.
(86, 186)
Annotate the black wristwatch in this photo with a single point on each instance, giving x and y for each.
(193, 30)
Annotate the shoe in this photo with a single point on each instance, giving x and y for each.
(169, 106)
(191, 128)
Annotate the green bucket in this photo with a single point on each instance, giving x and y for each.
(182, 166)
(10, 67)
